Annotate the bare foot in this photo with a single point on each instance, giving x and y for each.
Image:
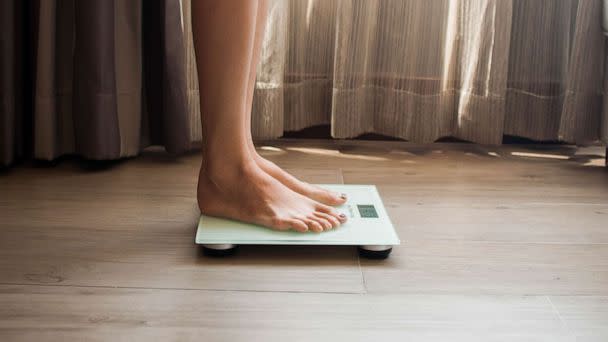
(249, 194)
(309, 190)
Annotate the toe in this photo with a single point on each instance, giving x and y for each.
(331, 211)
(324, 222)
(279, 223)
(298, 225)
(314, 226)
(335, 223)
(325, 209)
(328, 197)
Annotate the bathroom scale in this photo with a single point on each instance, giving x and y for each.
(368, 227)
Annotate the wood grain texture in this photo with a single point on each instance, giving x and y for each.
(499, 244)
(134, 226)
(491, 268)
(585, 316)
(31, 312)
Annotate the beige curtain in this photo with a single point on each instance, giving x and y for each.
(106, 78)
(421, 70)
(102, 79)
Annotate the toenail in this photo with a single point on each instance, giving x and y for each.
(342, 216)
(343, 196)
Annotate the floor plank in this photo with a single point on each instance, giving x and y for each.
(30, 313)
(427, 218)
(83, 228)
(538, 203)
(585, 316)
(490, 268)
(500, 243)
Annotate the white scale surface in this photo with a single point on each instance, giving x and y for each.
(368, 224)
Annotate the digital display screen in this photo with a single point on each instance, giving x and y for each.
(367, 210)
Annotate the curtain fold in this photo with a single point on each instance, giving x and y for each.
(106, 78)
(584, 81)
(168, 109)
(88, 79)
(11, 82)
(422, 70)
(95, 90)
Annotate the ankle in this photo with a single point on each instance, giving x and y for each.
(221, 172)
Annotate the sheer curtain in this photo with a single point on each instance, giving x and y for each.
(421, 70)
(106, 78)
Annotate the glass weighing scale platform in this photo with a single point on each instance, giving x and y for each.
(368, 227)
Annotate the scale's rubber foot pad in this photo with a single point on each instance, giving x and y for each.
(219, 253)
(376, 255)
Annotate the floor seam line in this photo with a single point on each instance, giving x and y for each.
(365, 290)
(511, 242)
(561, 319)
(178, 288)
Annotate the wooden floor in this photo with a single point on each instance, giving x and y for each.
(499, 244)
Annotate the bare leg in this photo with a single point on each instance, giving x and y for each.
(314, 192)
(231, 184)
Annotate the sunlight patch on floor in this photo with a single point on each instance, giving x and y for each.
(597, 162)
(334, 153)
(271, 151)
(539, 155)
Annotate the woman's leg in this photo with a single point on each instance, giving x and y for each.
(231, 184)
(306, 189)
